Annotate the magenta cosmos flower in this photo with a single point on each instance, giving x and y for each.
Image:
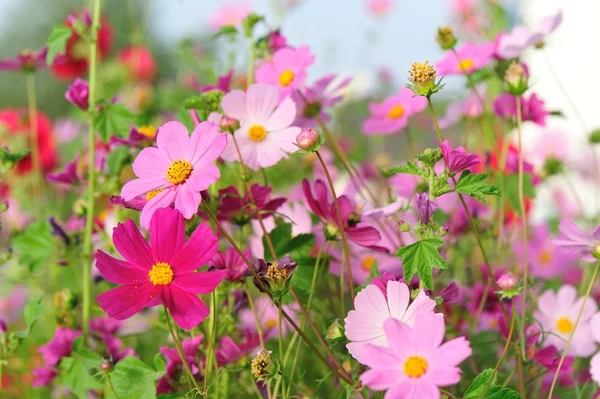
(287, 70)
(457, 160)
(60, 346)
(532, 108)
(416, 362)
(513, 44)
(392, 114)
(576, 241)
(177, 169)
(472, 57)
(265, 135)
(365, 324)
(162, 272)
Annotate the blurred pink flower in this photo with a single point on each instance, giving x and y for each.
(415, 362)
(266, 133)
(365, 324)
(60, 346)
(267, 314)
(230, 351)
(472, 58)
(392, 114)
(231, 262)
(11, 305)
(228, 14)
(468, 108)
(513, 44)
(287, 70)
(576, 241)
(532, 108)
(362, 261)
(313, 101)
(379, 8)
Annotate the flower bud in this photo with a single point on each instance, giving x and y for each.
(309, 140)
(507, 281)
(335, 332)
(446, 38)
(515, 78)
(105, 366)
(262, 365)
(277, 41)
(228, 124)
(78, 93)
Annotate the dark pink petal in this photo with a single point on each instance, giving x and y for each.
(167, 234)
(119, 272)
(123, 302)
(199, 282)
(187, 309)
(131, 244)
(346, 208)
(197, 251)
(318, 205)
(366, 236)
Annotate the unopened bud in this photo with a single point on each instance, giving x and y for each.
(507, 281)
(228, 124)
(309, 140)
(446, 38)
(105, 366)
(516, 79)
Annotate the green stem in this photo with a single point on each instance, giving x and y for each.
(89, 222)
(564, 354)
(36, 173)
(112, 388)
(435, 121)
(211, 340)
(251, 62)
(523, 213)
(506, 345)
(175, 337)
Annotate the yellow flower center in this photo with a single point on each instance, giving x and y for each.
(153, 193)
(396, 112)
(415, 366)
(466, 64)
(257, 133)
(286, 78)
(368, 262)
(545, 257)
(161, 274)
(179, 171)
(148, 131)
(271, 323)
(564, 325)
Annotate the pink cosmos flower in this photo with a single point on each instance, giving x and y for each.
(513, 44)
(190, 348)
(557, 314)
(230, 352)
(365, 324)
(595, 368)
(458, 160)
(416, 362)
(177, 170)
(392, 114)
(532, 108)
(468, 108)
(11, 305)
(362, 261)
(313, 101)
(287, 70)
(265, 135)
(229, 14)
(162, 272)
(232, 263)
(379, 8)
(268, 315)
(472, 57)
(107, 329)
(576, 241)
(60, 346)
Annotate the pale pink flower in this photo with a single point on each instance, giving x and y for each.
(265, 135)
(287, 70)
(365, 324)
(177, 169)
(416, 363)
(468, 108)
(268, 314)
(392, 114)
(557, 313)
(313, 101)
(595, 368)
(379, 8)
(513, 44)
(472, 57)
(229, 14)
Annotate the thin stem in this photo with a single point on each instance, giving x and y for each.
(255, 314)
(175, 337)
(211, 340)
(339, 371)
(435, 121)
(341, 226)
(564, 354)
(506, 345)
(89, 221)
(38, 180)
(251, 62)
(501, 167)
(110, 385)
(523, 213)
(280, 336)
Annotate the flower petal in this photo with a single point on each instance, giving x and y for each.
(119, 272)
(199, 282)
(234, 104)
(172, 140)
(167, 234)
(197, 251)
(123, 302)
(132, 246)
(283, 116)
(161, 200)
(187, 309)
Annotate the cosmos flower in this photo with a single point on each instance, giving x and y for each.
(315, 100)
(266, 133)
(177, 169)
(230, 351)
(228, 15)
(362, 260)
(267, 314)
(576, 241)
(472, 58)
(190, 348)
(393, 113)
(232, 263)
(26, 61)
(364, 325)
(238, 209)
(60, 346)
(287, 70)
(557, 313)
(379, 8)
(457, 160)
(162, 272)
(514, 43)
(532, 108)
(415, 362)
(467, 108)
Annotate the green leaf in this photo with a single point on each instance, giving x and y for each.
(32, 311)
(116, 159)
(474, 186)
(421, 258)
(283, 243)
(9, 159)
(498, 392)
(476, 389)
(410, 168)
(249, 23)
(57, 42)
(113, 120)
(511, 189)
(227, 30)
(133, 379)
(35, 246)
(75, 370)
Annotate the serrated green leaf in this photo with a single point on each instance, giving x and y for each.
(57, 42)
(474, 185)
(113, 120)
(75, 370)
(476, 389)
(421, 258)
(116, 159)
(133, 379)
(409, 168)
(35, 246)
(498, 392)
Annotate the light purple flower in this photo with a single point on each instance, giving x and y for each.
(513, 44)
(586, 245)
(426, 207)
(469, 108)
(315, 100)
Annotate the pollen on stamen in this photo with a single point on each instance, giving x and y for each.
(179, 171)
